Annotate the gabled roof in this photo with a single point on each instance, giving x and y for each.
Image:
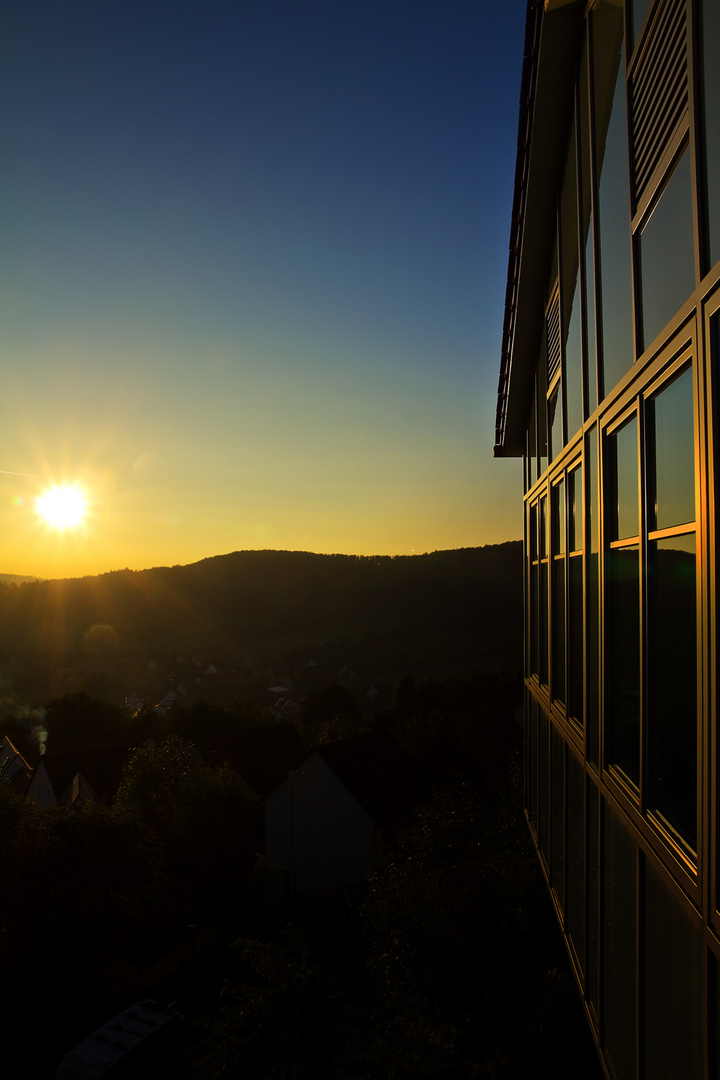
(11, 760)
(100, 766)
(376, 771)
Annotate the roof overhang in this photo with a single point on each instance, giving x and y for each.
(552, 42)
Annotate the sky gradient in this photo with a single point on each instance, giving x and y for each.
(253, 274)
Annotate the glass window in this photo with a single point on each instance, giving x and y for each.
(673, 998)
(672, 683)
(542, 525)
(623, 467)
(558, 637)
(575, 510)
(667, 253)
(532, 473)
(557, 844)
(613, 192)
(575, 892)
(592, 982)
(555, 420)
(593, 599)
(622, 646)
(711, 80)
(543, 624)
(587, 234)
(531, 745)
(576, 665)
(619, 945)
(671, 417)
(542, 412)
(558, 507)
(543, 783)
(571, 292)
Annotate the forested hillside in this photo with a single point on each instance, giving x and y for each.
(420, 611)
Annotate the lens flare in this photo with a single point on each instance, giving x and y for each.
(62, 507)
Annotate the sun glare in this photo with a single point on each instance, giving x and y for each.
(62, 507)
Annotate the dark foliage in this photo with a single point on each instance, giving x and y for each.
(447, 963)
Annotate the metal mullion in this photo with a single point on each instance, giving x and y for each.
(627, 541)
(673, 530)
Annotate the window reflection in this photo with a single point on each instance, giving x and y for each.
(673, 683)
(711, 79)
(587, 233)
(558, 493)
(571, 292)
(613, 192)
(575, 638)
(555, 421)
(623, 449)
(623, 667)
(558, 637)
(673, 980)
(674, 431)
(593, 599)
(575, 518)
(667, 253)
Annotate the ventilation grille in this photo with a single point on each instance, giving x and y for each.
(552, 338)
(659, 92)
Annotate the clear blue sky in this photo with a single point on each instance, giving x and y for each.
(253, 274)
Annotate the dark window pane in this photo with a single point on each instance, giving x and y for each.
(667, 253)
(587, 233)
(575, 892)
(673, 684)
(619, 951)
(555, 420)
(542, 413)
(575, 638)
(673, 1005)
(613, 192)
(558, 641)
(543, 624)
(543, 783)
(571, 292)
(622, 645)
(623, 469)
(557, 843)
(711, 77)
(714, 1019)
(531, 751)
(534, 619)
(532, 531)
(674, 438)
(593, 898)
(532, 473)
(558, 498)
(593, 599)
(575, 510)
(542, 525)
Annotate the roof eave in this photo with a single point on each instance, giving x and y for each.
(552, 41)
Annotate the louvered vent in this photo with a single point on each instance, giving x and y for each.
(552, 338)
(659, 92)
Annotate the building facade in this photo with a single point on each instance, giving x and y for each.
(609, 391)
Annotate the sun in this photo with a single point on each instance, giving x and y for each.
(63, 506)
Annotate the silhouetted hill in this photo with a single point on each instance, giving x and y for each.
(464, 602)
